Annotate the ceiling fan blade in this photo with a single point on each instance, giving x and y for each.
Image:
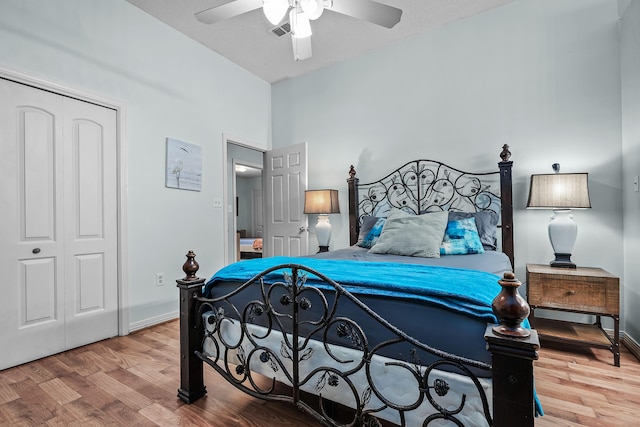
(368, 10)
(228, 10)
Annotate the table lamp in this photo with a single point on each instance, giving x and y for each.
(323, 203)
(560, 192)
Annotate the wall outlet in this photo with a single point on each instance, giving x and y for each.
(159, 279)
(217, 202)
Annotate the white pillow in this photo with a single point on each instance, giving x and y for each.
(412, 235)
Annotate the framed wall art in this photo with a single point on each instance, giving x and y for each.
(184, 165)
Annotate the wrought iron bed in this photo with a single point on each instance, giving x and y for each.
(298, 328)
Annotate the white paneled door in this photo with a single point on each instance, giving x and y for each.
(286, 181)
(58, 232)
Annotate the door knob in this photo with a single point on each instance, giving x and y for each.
(36, 251)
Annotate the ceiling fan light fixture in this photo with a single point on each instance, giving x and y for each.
(300, 25)
(275, 10)
(301, 48)
(312, 8)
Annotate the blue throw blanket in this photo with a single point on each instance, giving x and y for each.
(467, 291)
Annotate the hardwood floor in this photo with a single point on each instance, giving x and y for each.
(133, 381)
(583, 388)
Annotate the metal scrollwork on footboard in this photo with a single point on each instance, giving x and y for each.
(299, 329)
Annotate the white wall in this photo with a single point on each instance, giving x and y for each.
(171, 87)
(540, 75)
(630, 59)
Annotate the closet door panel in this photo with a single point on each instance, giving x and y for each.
(90, 222)
(31, 243)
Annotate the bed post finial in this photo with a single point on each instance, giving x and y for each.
(510, 308)
(190, 267)
(352, 172)
(513, 350)
(505, 155)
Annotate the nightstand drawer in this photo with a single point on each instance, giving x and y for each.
(576, 295)
(584, 289)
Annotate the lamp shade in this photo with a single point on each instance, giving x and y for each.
(559, 191)
(321, 202)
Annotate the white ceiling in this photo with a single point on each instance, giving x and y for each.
(247, 39)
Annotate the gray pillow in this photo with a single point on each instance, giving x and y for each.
(412, 235)
(486, 223)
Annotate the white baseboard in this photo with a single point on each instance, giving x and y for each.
(631, 344)
(136, 326)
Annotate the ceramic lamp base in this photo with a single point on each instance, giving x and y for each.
(323, 230)
(562, 261)
(562, 234)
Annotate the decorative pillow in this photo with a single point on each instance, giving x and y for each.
(365, 228)
(486, 223)
(372, 236)
(461, 238)
(412, 235)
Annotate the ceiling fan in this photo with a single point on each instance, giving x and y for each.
(301, 12)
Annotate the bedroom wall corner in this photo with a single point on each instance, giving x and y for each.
(630, 72)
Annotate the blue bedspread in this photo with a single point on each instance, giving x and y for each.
(467, 291)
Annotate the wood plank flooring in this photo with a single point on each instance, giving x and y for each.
(133, 381)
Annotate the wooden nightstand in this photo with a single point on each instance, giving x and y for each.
(580, 290)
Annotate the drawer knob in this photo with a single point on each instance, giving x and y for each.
(571, 292)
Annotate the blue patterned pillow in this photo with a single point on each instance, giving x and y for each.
(365, 227)
(372, 236)
(461, 238)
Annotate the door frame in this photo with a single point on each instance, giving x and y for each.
(121, 173)
(226, 197)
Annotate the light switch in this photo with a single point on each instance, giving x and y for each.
(635, 183)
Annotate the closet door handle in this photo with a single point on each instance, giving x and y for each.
(36, 251)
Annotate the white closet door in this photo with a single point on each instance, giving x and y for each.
(32, 247)
(56, 190)
(90, 213)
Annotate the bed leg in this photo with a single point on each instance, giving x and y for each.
(513, 388)
(191, 332)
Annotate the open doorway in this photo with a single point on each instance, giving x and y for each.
(248, 210)
(245, 210)
(284, 181)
